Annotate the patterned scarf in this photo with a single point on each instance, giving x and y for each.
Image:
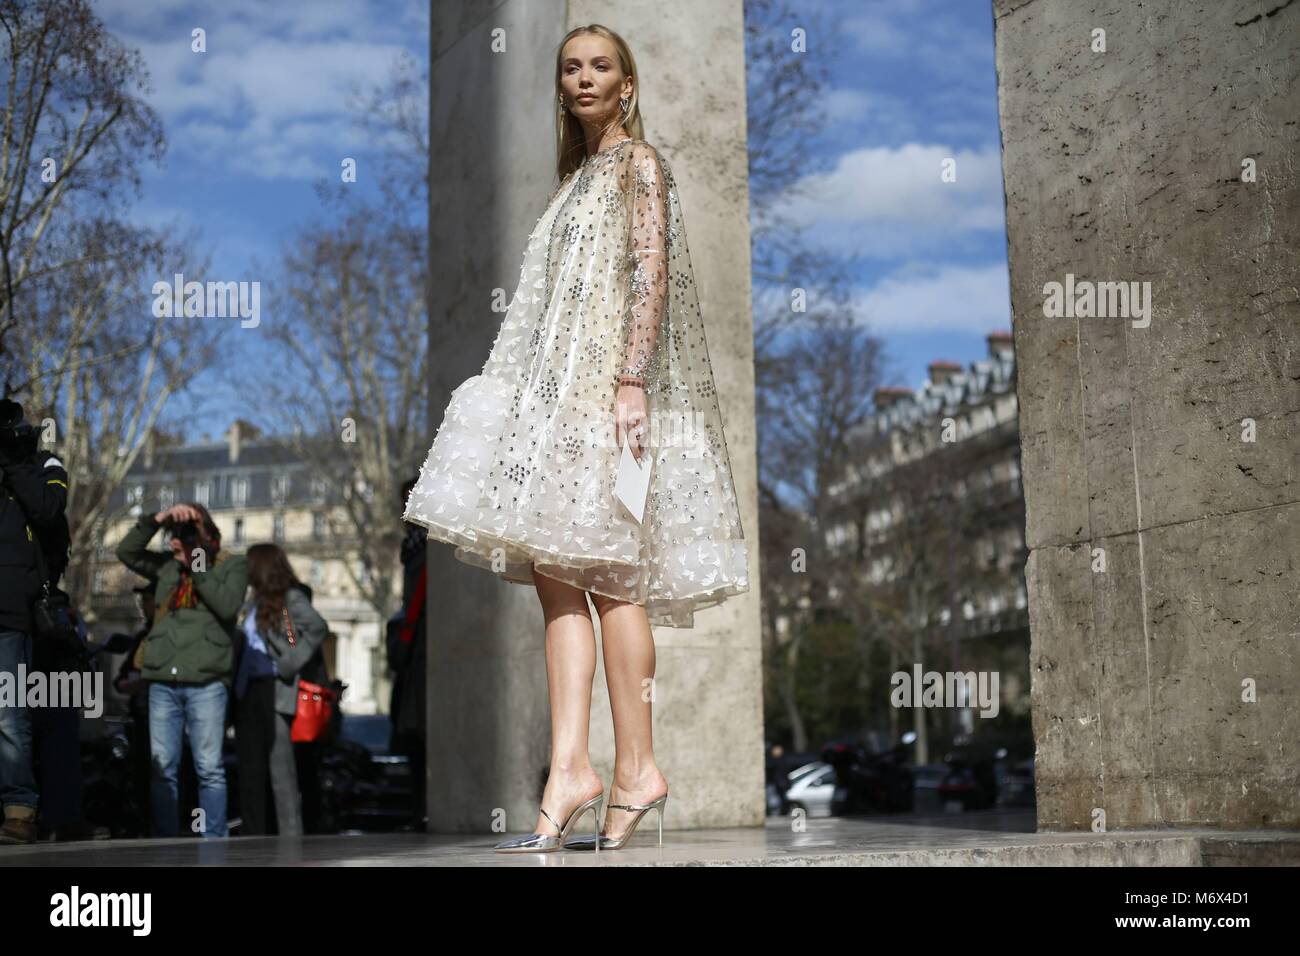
(184, 595)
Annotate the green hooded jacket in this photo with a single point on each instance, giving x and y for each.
(187, 645)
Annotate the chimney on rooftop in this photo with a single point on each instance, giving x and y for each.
(885, 397)
(1000, 341)
(239, 432)
(941, 370)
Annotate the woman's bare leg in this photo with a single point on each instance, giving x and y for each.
(629, 669)
(570, 670)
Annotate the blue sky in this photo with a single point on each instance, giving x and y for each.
(259, 119)
(254, 122)
(253, 125)
(912, 83)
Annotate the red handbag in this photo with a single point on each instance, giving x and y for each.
(315, 706)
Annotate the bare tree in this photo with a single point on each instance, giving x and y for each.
(785, 75)
(80, 345)
(898, 571)
(74, 127)
(815, 399)
(100, 367)
(354, 400)
(815, 368)
(354, 333)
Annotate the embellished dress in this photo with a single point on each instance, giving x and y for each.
(521, 473)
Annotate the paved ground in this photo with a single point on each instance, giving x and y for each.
(998, 837)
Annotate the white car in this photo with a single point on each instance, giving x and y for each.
(812, 787)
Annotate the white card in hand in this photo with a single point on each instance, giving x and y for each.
(632, 484)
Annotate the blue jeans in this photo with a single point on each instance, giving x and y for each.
(200, 709)
(17, 783)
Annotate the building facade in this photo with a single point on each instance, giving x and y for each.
(927, 521)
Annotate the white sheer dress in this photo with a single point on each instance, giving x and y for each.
(521, 472)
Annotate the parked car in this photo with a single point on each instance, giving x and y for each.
(979, 767)
(372, 786)
(872, 782)
(1016, 783)
(812, 789)
(925, 787)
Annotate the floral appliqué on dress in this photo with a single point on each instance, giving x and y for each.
(521, 473)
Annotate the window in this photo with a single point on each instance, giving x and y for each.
(318, 527)
(239, 492)
(166, 496)
(318, 489)
(202, 491)
(279, 489)
(277, 528)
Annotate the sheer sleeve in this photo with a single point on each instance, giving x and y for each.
(647, 249)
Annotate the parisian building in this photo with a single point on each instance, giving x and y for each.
(930, 508)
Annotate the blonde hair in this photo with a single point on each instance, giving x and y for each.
(570, 140)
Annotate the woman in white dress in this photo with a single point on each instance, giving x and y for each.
(602, 344)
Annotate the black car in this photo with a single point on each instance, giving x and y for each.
(372, 786)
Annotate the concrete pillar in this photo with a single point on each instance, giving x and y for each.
(1127, 165)
(492, 169)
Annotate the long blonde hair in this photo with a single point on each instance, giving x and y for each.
(570, 140)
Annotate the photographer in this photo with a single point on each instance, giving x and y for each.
(33, 535)
(188, 654)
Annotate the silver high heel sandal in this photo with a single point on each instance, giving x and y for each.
(598, 841)
(546, 842)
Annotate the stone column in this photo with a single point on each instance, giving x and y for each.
(1160, 459)
(492, 169)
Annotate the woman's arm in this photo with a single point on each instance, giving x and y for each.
(223, 587)
(309, 629)
(133, 549)
(647, 250)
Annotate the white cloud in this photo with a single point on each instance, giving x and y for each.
(951, 298)
(891, 202)
(889, 117)
(269, 98)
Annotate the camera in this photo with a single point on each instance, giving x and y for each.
(187, 533)
(17, 438)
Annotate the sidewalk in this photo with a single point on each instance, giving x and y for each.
(992, 838)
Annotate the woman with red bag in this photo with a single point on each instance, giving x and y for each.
(281, 689)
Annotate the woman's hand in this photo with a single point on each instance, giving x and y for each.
(632, 418)
(178, 514)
